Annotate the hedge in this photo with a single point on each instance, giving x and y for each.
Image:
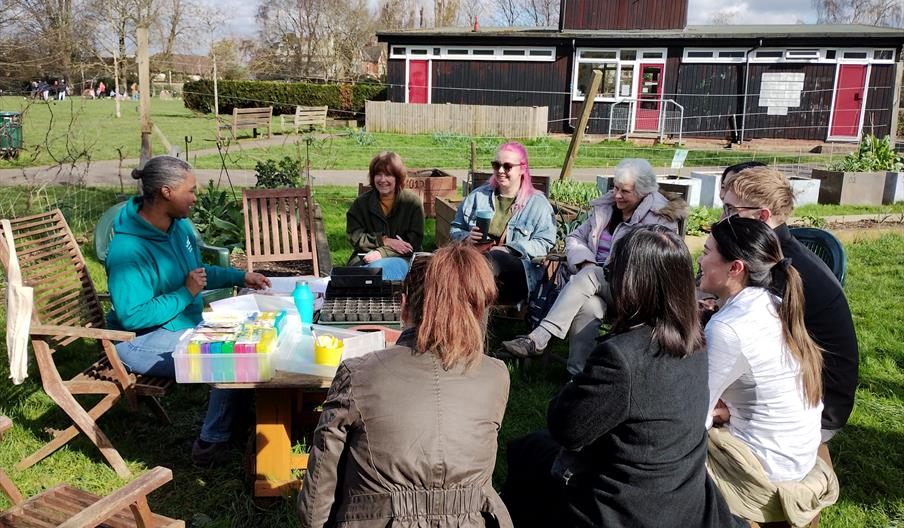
(284, 97)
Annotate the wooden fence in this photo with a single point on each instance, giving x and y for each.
(473, 120)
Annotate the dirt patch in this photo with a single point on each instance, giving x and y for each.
(273, 269)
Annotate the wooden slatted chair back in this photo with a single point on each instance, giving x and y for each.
(279, 226)
(52, 264)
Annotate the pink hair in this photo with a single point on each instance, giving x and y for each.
(527, 187)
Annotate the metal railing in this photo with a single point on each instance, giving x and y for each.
(626, 117)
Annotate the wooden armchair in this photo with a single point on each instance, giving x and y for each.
(67, 507)
(279, 226)
(66, 308)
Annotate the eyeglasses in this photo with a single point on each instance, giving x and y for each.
(729, 209)
(506, 167)
(727, 220)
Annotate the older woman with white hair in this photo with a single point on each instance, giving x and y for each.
(579, 310)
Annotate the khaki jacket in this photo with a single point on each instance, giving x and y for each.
(403, 443)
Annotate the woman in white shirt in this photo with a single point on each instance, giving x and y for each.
(765, 377)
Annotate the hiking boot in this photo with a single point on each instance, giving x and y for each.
(522, 347)
(206, 454)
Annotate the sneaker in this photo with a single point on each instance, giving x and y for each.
(522, 347)
(206, 454)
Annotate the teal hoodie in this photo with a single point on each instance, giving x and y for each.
(146, 271)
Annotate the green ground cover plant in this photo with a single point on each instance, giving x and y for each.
(868, 454)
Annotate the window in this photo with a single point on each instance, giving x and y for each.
(618, 68)
(769, 54)
(398, 52)
(417, 52)
(801, 54)
(855, 55)
(653, 54)
(709, 55)
(487, 53)
(830, 54)
(884, 55)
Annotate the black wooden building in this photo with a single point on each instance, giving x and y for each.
(816, 82)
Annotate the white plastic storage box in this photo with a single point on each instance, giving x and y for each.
(296, 354)
(213, 363)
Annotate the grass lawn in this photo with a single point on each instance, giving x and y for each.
(354, 150)
(82, 129)
(868, 454)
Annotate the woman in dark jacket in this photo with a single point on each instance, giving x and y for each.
(385, 225)
(626, 440)
(407, 437)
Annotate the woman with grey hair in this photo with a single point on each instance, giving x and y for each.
(578, 311)
(156, 276)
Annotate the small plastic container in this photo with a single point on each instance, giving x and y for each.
(247, 359)
(328, 351)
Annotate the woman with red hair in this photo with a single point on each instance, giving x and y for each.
(521, 224)
(408, 434)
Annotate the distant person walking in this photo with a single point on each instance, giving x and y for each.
(101, 88)
(61, 90)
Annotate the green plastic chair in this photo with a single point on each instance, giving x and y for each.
(219, 256)
(826, 246)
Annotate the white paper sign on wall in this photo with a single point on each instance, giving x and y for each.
(780, 91)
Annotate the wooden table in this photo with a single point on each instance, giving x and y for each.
(283, 400)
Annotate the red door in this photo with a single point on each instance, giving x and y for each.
(418, 81)
(849, 95)
(649, 93)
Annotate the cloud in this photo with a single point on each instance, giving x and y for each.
(762, 11)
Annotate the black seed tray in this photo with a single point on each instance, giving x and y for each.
(343, 310)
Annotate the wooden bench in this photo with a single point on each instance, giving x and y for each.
(249, 118)
(307, 118)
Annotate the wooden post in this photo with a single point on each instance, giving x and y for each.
(116, 82)
(473, 157)
(578, 135)
(216, 95)
(144, 92)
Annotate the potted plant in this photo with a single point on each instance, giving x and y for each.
(871, 175)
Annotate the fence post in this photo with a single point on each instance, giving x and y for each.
(578, 136)
(473, 157)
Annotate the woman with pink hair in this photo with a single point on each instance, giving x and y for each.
(510, 221)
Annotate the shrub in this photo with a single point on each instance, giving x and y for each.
(573, 193)
(284, 97)
(874, 154)
(218, 217)
(272, 174)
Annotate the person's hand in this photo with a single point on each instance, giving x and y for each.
(196, 281)
(373, 256)
(256, 281)
(721, 414)
(585, 264)
(399, 246)
(475, 235)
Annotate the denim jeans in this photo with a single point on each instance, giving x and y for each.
(394, 268)
(152, 354)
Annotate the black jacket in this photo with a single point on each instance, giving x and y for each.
(637, 417)
(827, 317)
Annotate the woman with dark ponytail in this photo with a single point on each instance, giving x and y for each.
(765, 379)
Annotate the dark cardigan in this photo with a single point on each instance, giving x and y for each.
(827, 317)
(366, 225)
(637, 417)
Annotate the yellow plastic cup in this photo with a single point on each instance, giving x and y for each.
(328, 351)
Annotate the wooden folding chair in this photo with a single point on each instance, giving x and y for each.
(65, 506)
(66, 308)
(279, 226)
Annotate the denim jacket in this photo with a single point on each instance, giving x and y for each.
(530, 233)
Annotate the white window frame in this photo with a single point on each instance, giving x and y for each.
(716, 52)
(495, 53)
(639, 59)
(874, 60)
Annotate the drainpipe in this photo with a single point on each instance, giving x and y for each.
(568, 125)
(746, 80)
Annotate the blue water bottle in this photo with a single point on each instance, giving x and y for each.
(304, 303)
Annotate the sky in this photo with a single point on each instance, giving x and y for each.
(240, 13)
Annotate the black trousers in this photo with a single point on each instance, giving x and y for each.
(510, 278)
(531, 494)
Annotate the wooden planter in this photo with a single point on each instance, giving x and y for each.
(852, 188)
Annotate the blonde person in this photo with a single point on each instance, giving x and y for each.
(408, 435)
(520, 224)
(385, 225)
(582, 304)
(765, 380)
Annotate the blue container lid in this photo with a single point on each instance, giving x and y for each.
(10, 114)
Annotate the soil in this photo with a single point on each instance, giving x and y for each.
(273, 269)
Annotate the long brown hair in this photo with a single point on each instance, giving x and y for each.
(458, 291)
(653, 283)
(754, 243)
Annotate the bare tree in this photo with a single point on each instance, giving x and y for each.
(397, 14)
(445, 12)
(542, 13)
(723, 17)
(870, 12)
(508, 12)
